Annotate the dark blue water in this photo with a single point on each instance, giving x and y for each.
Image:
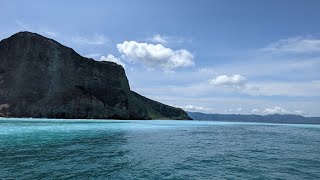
(51, 149)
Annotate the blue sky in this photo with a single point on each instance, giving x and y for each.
(223, 56)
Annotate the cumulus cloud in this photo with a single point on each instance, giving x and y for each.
(294, 45)
(195, 108)
(235, 81)
(111, 58)
(97, 39)
(157, 38)
(155, 55)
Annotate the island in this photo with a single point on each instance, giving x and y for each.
(269, 118)
(41, 78)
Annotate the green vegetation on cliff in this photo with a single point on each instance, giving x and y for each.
(158, 110)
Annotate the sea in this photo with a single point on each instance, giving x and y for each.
(157, 149)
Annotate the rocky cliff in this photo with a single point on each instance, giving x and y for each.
(41, 78)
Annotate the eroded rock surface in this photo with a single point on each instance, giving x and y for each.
(41, 78)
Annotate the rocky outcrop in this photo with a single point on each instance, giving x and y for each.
(41, 78)
(158, 110)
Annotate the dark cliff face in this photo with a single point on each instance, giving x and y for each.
(158, 110)
(41, 78)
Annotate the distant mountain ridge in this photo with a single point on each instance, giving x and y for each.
(42, 78)
(272, 118)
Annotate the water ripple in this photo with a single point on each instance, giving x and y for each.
(80, 149)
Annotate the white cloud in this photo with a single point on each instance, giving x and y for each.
(276, 110)
(219, 103)
(255, 111)
(279, 110)
(157, 38)
(97, 39)
(51, 33)
(155, 55)
(207, 71)
(239, 109)
(298, 112)
(163, 39)
(236, 110)
(93, 55)
(294, 45)
(111, 58)
(235, 81)
(195, 108)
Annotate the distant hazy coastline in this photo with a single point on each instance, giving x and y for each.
(272, 118)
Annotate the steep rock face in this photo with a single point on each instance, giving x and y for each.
(42, 78)
(158, 110)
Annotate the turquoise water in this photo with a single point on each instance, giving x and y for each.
(95, 149)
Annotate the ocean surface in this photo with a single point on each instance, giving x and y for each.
(113, 149)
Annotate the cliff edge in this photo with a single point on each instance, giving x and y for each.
(41, 78)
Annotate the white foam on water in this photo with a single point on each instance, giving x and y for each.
(27, 125)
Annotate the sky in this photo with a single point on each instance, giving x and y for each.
(221, 56)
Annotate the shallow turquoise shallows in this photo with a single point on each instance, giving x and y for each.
(113, 149)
